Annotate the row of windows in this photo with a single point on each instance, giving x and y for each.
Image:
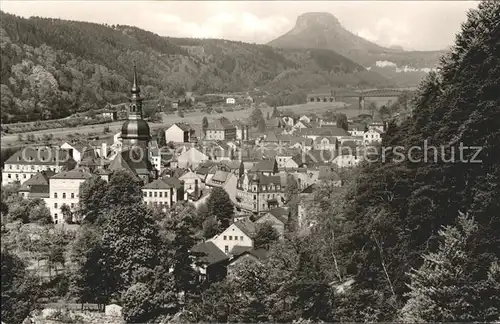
(156, 194)
(158, 203)
(231, 238)
(31, 167)
(64, 195)
(72, 205)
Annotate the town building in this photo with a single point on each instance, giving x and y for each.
(75, 150)
(26, 162)
(37, 186)
(225, 180)
(179, 133)
(221, 129)
(241, 255)
(191, 158)
(64, 190)
(242, 130)
(258, 193)
(373, 135)
(163, 192)
(213, 262)
(277, 217)
(240, 233)
(230, 101)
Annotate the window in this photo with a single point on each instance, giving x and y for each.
(72, 205)
(145, 194)
(241, 238)
(225, 237)
(236, 238)
(160, 194)
(166, 193)
(24, 175)
(64, 195)
(150, 194)
(9, 175)
(55, 194)
(72, 195)
(230, 237)
(55, 205)
(226, 249)
(156, 194)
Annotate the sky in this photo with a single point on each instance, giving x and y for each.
(415, 25)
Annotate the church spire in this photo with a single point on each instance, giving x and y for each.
(135, 85)
(135, 107)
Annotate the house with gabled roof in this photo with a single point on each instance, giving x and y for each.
(75, 150)
(192, 182)
(373, 135)
(37, 186)
(325, 143)
(242, 254)
(265, 167)
(240, 233)
(277, 217)
(191, 158)
(163, 192)
(179, 133)
(213, 262)
(221, 129)
(311, 159)
(225, 180)
(332, 131)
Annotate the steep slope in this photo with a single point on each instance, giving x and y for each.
(323, 30)
(51, 68)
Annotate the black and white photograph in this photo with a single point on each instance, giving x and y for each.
(176, 162)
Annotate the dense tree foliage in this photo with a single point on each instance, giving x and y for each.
(53, 68)
(265, 236)
(220, 207)
(19, 290)
(442, 289)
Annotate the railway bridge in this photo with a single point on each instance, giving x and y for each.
(337, 95)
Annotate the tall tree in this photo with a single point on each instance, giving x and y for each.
(19, 289)
(442, 289)
(220, 207)
(261, 126)
(275, 113)
(123, 189)
(91, 197)
(256, 116)
(182, 227)
(204, 125)
(265, 236)
(130, 243)
(342, 121)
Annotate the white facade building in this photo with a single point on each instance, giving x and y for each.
(64, 189)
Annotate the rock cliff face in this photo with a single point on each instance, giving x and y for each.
(321, 30)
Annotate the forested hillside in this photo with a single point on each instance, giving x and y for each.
(406, 240)
(51, 68)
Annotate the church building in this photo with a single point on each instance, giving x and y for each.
(135, 137)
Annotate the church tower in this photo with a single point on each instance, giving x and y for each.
(135, 131)
(135, 137)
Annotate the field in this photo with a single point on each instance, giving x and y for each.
(194, 118)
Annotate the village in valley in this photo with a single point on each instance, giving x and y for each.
(263, 165)
(205, 180)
